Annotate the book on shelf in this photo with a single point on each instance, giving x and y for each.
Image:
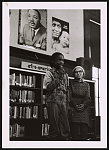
(20, 112)
(24, 112)
(17, 130)
(45, 129)
(12, 79)
(14, 95)
(44, 100)
(34, 81)
(45, 113)
(22, 96)
(15, 112)
(17, 79)
(35, 112)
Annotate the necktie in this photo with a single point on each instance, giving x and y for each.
(33, 34)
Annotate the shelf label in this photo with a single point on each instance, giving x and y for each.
(32, 66)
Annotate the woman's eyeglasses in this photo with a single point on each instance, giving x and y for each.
(79, 71)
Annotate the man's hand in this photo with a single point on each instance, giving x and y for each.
(61, 72)
(60, 69)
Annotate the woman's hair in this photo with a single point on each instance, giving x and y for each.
(54, 57)
(80, 68)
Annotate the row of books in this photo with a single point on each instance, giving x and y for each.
(27, 112)
(45, 129)
(16, 130)
(22, 96)
(22, 80)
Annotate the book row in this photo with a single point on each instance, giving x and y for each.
(22, 96)
(27, 112)
(22, 80)
(16, 130)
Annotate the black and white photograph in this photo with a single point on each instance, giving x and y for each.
(32, 28)
(54, 75)
(60, 35)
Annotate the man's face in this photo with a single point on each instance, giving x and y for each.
(56, 29)
(33, 19)
(59, 61)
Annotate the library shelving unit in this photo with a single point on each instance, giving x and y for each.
(26, 109)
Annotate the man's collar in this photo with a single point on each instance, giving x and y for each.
(81, 80)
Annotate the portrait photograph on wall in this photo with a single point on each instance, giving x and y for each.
(60, 35)
(55, 30)
(32, 28)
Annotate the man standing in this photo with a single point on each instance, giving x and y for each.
(57, 98)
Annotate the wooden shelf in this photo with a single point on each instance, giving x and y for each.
(26, 138)
(23, 88)
(24, 104)
(23, 119)
(26, 70)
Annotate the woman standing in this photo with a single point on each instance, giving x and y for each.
(79, 103)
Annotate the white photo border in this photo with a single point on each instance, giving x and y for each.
(5, 74)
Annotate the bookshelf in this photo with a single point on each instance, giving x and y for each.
(25, 104)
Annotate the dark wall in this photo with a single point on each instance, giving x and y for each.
(92, 36)
(18, 55)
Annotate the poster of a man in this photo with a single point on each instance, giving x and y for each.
(60, 35)
(33, 33)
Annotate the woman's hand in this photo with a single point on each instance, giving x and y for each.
(80, 107)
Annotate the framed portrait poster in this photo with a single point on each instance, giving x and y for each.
(32, 28)
(60, 35)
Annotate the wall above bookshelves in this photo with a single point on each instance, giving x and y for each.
(18, 55)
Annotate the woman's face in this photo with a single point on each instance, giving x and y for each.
(79, 73)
